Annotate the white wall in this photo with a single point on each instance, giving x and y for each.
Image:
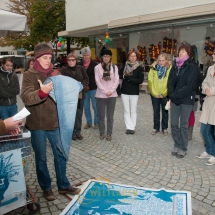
(3, 4)
(82, 14)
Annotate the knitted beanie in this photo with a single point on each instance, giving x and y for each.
(42, 49)
(105, 52)
(86, 50)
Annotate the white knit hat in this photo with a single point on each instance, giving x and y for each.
(86, 50)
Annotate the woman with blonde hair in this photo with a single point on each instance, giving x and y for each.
(132, 78)
(157, 82)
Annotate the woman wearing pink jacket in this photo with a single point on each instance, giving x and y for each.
(107, 80)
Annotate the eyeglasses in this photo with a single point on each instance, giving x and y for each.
(71, 60)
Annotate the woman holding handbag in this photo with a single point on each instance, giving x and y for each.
(157, 83)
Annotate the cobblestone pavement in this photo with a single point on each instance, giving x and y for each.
(140, 160)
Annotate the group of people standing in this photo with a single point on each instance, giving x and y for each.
(175, 80)
(179, 82)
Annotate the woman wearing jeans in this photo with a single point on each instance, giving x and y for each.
(43, 122)
(181, 90)
(90, 91)
(207, 118)
(132, 78)
(107, 80)
(157, 82)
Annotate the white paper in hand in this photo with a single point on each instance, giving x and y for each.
(21, 115)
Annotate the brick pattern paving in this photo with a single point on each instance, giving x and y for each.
(140, 160)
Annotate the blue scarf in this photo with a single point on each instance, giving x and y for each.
(161, 71)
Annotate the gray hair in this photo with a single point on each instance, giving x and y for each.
(86, 50)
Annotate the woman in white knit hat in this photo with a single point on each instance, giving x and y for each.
(90, 90)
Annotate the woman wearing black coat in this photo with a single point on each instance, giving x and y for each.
(181, 90)
(132, 78)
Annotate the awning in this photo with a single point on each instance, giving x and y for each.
(85, 32)
(172, 18)
(11, 22)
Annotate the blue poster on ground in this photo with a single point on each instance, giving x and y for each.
(12, 181)
(102, 197)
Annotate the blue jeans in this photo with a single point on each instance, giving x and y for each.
(38, 140)
(90, 95)
(158, 103)
(208, 138)
(8, 111)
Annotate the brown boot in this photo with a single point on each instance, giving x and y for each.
(190, 132)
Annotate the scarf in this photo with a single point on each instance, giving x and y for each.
(86, 63)
(106, 74)
(129, 67)
(161, 71)
(39, 68)
(180, 61)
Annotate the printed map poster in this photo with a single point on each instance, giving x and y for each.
(12, 181)
(102, 197)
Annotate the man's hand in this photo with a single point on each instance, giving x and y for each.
(46, 88)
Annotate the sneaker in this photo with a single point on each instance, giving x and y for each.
(165, 132)
(211, 161)
(48, 195)
(175, 151)
(154, 131)
(180, 154)
(96, 126)
(204, 155)
(87, 126)
(70, 190)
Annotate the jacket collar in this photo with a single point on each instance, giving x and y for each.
(188, 61)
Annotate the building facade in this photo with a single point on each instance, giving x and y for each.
(133, 23)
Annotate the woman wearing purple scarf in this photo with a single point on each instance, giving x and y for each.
(181, 90)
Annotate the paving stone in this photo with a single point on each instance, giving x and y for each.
(138, 160)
